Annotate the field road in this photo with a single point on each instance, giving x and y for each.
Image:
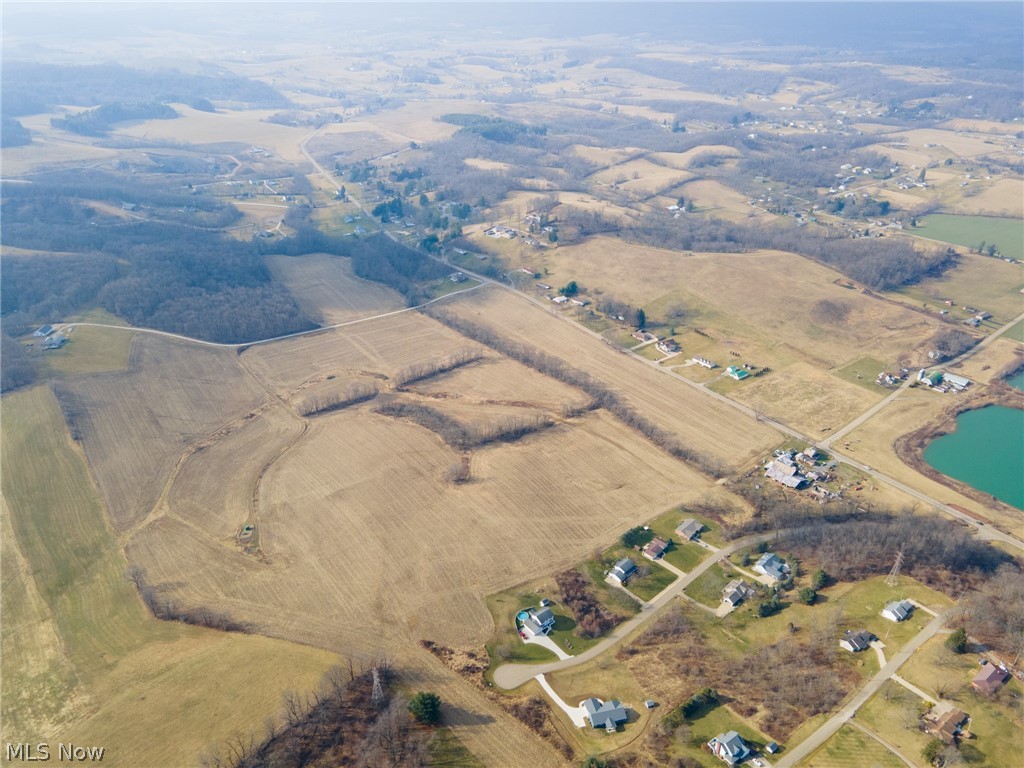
(873, 411)
(311, 332)
(510, 676)
(834, 723)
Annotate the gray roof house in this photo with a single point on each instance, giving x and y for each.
(736, 591)
(898, 610)
(772, 565)
(856, 641)
(604, 714)
(45, 330)
(688, 529)
(622, 570)
(729, 747)
(539, 622)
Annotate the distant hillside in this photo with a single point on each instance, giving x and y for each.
(30, 88)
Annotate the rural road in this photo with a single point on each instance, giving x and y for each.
(873, 411)
(834, 723)
(510, 676)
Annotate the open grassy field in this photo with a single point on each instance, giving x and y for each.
(806, 398)
(82, 659)
(970, 231)
(91, 350)
(978, 281)
(699, 421)
(327, 290)
(852, 748)
(713, 196)
(641, 176)
(745, 301)
(894, 714)
(135, 424)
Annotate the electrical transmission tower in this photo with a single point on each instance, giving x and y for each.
(894, 575)
(378, 690)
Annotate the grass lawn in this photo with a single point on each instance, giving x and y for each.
(685, 556)
(444, 286)
(1016, 332)
(708, 588)
(864, 372)
(712, 722)
(995, 722)
(851, 748)
(605, 678)
(665, 525)
(90, 350)
(446, 751)
(970, 231)
(893, 714)
(505, 646)
(645, 587)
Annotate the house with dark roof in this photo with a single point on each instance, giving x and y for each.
(655, 548)
(622, 570)
(539, 621)
(898, 610)
(856, 641)
(989, 679)
(604, 714)
(689, 529)
(43, 331)
(729, 748)
(736, 591)
(947, 726)
(772, 566)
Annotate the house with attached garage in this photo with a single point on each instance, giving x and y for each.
(729, 748)
(772, 566)
(538, 621)
(604, 714)
(898, 610)
(689, 529)
(988, 680)
(655, 548)
(622, 570)
(736, 591)
(856, 641)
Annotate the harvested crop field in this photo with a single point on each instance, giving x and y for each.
(362, 533)
(699, 421)
(328, 291)
(134, 425)
(381, 346)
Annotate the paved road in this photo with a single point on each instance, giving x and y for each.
(873, 411)
(513, 675)
(834, 723)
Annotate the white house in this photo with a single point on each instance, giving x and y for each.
(622, 570)
(538, 622)
(729, 747)
(898, 610)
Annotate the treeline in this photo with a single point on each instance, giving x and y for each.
(592, 619)
(435, 366)
(462, 436)
(97, 121)
(710, 77)
(325, 402)
(879, 263)
(167, 276)
(601, 395)
(32, 87)
(339, 722)
(382, 260)
(18, 369)
(496, 129)
(13, 133)
(852, 545)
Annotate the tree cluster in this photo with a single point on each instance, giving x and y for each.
(459, 435)
(325, 402)
(951, 343)
(99, 120)
(592, 618)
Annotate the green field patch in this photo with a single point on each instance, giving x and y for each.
(865, 373)
(894, 713)
(648, 581)
(446, 751)
(852, 748)
(1016, 332)
(971, 231)
(707, 589)
(664, 525)
(90, 350)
